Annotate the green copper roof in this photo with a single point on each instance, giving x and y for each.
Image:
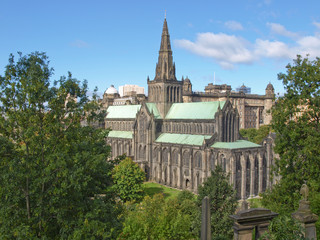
(235, 145)
(182, 139)
(120, 134)
(195, 110)
(125, 111)
(152, 107)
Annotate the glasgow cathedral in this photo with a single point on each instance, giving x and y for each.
(178, 136)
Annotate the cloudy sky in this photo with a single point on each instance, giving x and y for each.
(117, 42)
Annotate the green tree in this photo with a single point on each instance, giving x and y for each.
(256, 135)
(54, 181)
(156, 218)
(223, 203)
(284, 227)
(128, 180)
(296, 121)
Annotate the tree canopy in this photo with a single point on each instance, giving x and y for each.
(128, 180)
(54, 176)
(223, 203)
(156, 218)
(256, 135)
(296, 122)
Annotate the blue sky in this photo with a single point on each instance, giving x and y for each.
(117, 42)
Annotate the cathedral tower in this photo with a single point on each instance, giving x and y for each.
(164, 89)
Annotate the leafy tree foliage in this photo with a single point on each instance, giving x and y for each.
(223, 203)
(54, 177)
(155, 218)
(284, 227)
(256, 135)
(296, 121)
(128, 180)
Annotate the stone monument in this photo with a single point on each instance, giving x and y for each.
(305, 216)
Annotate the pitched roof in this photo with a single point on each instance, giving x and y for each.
(235, 145)
(187, 139)
(120, 134)
(152, 107)
(124, 111)
(194, 110)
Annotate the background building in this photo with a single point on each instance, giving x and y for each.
(131, 94)
(244, 89)
(128, 90)
(253, 108)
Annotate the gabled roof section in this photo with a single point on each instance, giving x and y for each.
(152, 107)
(186, 139)
(235, 145)
(120, 134)
(194, 110)
(125, 111)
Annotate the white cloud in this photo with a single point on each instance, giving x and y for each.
(317, 24)
(272, 49)
(309, 45)
(230, 50)
(79, 44)
(281, 30)
(227, 50)
(233, 25)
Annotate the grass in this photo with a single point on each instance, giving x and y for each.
(152, 188)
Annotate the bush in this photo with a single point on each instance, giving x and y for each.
(128, 180)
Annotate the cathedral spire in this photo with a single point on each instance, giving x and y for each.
(165, 38)
(165, 69)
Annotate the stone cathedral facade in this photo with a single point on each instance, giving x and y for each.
(178, 143)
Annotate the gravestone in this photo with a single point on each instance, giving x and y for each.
(246, 221)
(205, 219)
(305, 216)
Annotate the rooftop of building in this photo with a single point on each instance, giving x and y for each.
(194, 110)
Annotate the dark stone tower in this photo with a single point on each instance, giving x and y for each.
(165, 89)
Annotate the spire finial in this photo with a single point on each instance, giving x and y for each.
(165, 14)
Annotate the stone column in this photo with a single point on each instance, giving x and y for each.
(243, 177)
(268, 174)
(179, 169)
(231, 170)
(204, 165)
(252, 177)
(169, 168)
(207, 163)
(234, 171)
(191, 170)
(257, 119)
(160, 164)
(260, 173)
(305, 216)
(177, 94)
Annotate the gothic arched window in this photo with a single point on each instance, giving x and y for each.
(175, 157)
(198, 160)
(186, 158)
(165, 154)
(142, 128)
